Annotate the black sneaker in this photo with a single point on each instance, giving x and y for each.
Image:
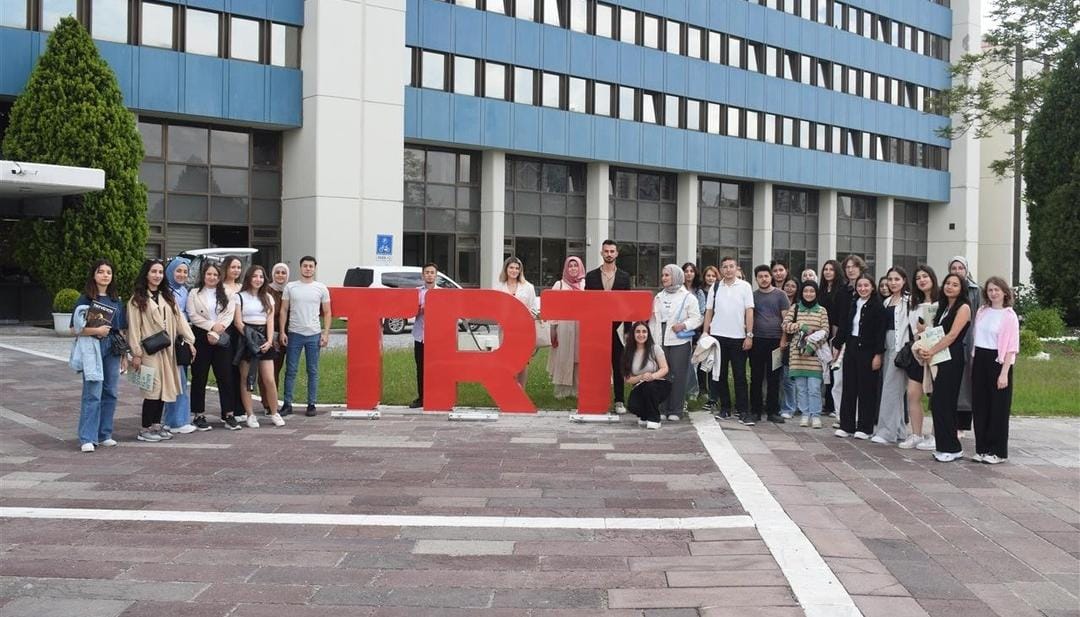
(201, 424)
(231, 423)
(776, 419)
(724, 414)
(746, 419)
(286, 410)
(310, 411)
(417, 404)
(709, 406)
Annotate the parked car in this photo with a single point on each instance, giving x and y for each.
(395, 277)
(216, 255)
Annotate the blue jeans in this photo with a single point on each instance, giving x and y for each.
(787, 392)
(179, 413)
(99, 402)
(809, 393)
(310, 346)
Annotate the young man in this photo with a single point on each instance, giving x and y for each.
(428, 275)
(779, 271)
(609, 277)
(301, 303)
(769, 306)
(729, 318)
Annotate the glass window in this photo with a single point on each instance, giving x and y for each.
(787, 134)
(671, 111)
(822, 74)
(464, 75)
(494, 80)
(867, 24)
(13, 13)
(835, 144)
(285, 45)
(753, 57)
(894, 33)
(229, 148)
(496, 6)
(151, 138)
(201, 33)
(882, 88)
(673, 37)
(716, 47)
(734, 51)
(867, 79)
(576, 95)
(52, 11)
(733, 121)
(751, 124)
(605, 17)
(523, 85)
(651, 31)
(551, 91)
(628, 26)
(524, 9)
(852, 81)
(433, 71)
(804, 134)
(650, 107)
(789, 6)
(864, 145)
(626, 103)
(852, 20)
(822, 11)
(552, 13)
(693, 42)
(770, 128)
(804, 69)
(771, 68)
(579, 15)
(157, 25)
(804, 9)
(243, 39)
(109, 20)
(712, 118)
(819, 137)
(602, 99)
(693, 115)
(837, 77)
(188, 144)
(791, 65)
(469, 3)
(838, 15)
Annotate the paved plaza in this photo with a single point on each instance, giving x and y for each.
(413, 515)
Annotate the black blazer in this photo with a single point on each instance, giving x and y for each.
(871, 325)
(594, 281)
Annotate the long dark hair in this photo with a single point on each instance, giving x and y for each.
(90, 289)
(225, 263)
(943, 302)
(631, 348)
(262, 293)
(222, 299)
(830, 287)
(141, 294)
(903, 274)
(696, 282)
(917, 295)
(874, 299)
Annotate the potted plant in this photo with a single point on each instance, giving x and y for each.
(63, 305)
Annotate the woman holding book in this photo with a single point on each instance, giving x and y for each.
(953, 317)
(153, 311)
(98, 312)
(255, 312)
(924, 297)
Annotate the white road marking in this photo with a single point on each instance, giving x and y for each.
(814, 584)
(40, 354)
(34, 424)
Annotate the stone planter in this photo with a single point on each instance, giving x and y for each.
(61, 324)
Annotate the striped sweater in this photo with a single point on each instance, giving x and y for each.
(810, 320)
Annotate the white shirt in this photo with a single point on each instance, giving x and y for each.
(861, 302)
(988, 327)
(729, 308)
(305, 300)
(252, 311)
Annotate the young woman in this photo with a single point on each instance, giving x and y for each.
(211, 313)
(562, 362)
(693, 283)
(883, 288)
(959, 267)
(806, 323)
(954, 317)
(861, 336)
(788, 391)
(997, 341)
(512, 281)
(153, 309)
(675, 311)
(279, 277)
(808, 275)
(831, 287)
(645, 367)
(231, 271)
(923, 304)
(178, 414)
(255, 311)
(891, 428)
(93, 349)
(709, 276)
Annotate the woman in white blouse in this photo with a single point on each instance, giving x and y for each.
(675, 316)
(512, 281)
(211, 312)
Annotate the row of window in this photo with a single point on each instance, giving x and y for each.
(167, 26)
(634, 27)
(472, 77)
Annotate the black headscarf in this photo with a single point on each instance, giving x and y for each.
(817, 294)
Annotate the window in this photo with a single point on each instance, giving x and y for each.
(201, 32)
(852, 81)
(494, 80)
(787, 131)
(712, 118)
(626, 103)
(643, 218)
(464, 76)
(650, 30)
(605, 17)
(838, 16)
(243, 39)
(753, 57)
(852, 20)
(602, 99)
(795, 227)
(805, 75)
(734, 122)
(523, 85)
(552, 13)
(496, 6)
(579, 15)
(671, 111)
(771, 68)
(433, 71)
(734, 51)
(804, 134)
(822, 74)
(693, 42)
(752, 125)
(285, 45)
(651, 109)
(856, 227)
(157, 25)
(910, 224)
(867, 80)
(628, 26)
(837, 78)
(109, 20)
(576, 95)
(13, 14)
(673, 37)
(791, 66)
(867, 25)
(819, 137)
(716, 47)
(524, 9)
(725, 222)
(545, 215)
(52, 11)
(822, 11)
(836, 144)
(770, 128)
(551, 90)
(804, 9)
(693, 115)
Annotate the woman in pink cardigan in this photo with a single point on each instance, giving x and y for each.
(997, 341)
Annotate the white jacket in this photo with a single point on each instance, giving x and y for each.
(666, 310)
(707, 354)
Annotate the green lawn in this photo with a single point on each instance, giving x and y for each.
(1043, 388)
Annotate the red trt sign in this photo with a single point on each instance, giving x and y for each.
(445, 366)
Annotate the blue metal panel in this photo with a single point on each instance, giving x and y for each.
(605, 138)
(697, 84)
(499, 37)
(555, 49)
(468, 32)
(119, 57)
(247, 90)
(675, 70)
(674, 149)
(695, 150)
(412, 23)
(553, 126)
(755, 159)
(527, 43)
(629, 65)
(412, 112)
(158, 79)
(251, 8)
(203, 80)
(652, 69)
(467, 120)
(579, 137)
(629, 142)
(606, 66)
(497, 123)
(434, 16)
(697, 12)
(286, 88)
(581, 55)
(210, 5)
(652, 146)
(18, 49)
(286, 11)
(526, 128)
(676, 9)
(435, 115)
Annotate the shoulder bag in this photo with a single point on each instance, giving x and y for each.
(156, 341)
(905, 357)
(687, 333)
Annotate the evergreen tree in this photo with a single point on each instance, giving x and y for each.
(72, 113)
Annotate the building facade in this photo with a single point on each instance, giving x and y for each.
(469, 131)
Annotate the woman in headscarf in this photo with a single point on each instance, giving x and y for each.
(279, 276)
(806, 330)
(563, 361)
(675, 316)
(959, 267)
(178, 413)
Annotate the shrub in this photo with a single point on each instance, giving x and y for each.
(1045, 322)
(64, 301)
(1027, 300)
(1029, 343)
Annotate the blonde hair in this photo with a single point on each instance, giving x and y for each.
(506, 264)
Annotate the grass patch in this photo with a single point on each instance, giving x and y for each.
(1048, 387)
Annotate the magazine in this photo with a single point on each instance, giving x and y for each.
(929, 338)
(99, 314)
(144, 377)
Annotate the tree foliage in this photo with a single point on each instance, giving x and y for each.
(984, 97)
(1052, 178)
(72, 113)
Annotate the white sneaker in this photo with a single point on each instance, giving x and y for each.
(927, 444)
(805, 421)
(978, 458)
(912, 441)
(992, 459)
(277, 419)
(948, 457)
(87, 447)
(166, 427)
(108, 443)
(785, 415)
(183, 430)
(673, 417)
(252, 422)
(878, 439)
(841, 433)
(861, 435)
(836, 425)
(652, 425)
(620, 408)
(816, 422)
(641, 423)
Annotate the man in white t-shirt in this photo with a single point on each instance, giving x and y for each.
(302, 302)
(729, 318)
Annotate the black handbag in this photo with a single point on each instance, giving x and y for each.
(905, 358)
(155, 343)
(183, 352)
(118, 345)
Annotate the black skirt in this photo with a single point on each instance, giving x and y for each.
(244, 353)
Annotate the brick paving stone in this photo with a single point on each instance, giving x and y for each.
(186, 572)
(430, 597)
(178, 609)
(729, 547)
(558, 598)
(882, 606)
(743, 611)
(954, 608)
(463, 547)
(749, 578)
(13, 586)
(692, 597)
(258, 593)
(11, 565)
(60, 607)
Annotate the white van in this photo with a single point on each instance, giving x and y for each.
(394, 277)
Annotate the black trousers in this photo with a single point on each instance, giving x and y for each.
(943, 401)
(860, 389)
(647, 398)
(761, 373)
(236, 340)
(991, 407)
(618, 384)
(731, 354)
(418, 355)
(219, 358)
(151, 412)
(827, 404)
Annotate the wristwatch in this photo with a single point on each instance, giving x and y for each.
(749, 335)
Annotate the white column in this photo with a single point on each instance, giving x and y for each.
(342, 184)
(827, 210)
(886, 208)
(686, 230)
(954, 227)
(763, 222)
(597, 212)
(492, 215)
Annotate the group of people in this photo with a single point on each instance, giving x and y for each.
(243, 326)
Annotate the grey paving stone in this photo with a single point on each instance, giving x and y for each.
(463, 547)
(432, 597)
(547, 599)
(97, 589)
(59, 607)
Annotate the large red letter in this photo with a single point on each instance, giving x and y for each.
(365, 308)
(445, 366)
(595, 311)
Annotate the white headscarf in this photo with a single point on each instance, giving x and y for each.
(274, 285)
(677, 278)
(967, 269)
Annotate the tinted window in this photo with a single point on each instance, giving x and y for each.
(401, 280)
